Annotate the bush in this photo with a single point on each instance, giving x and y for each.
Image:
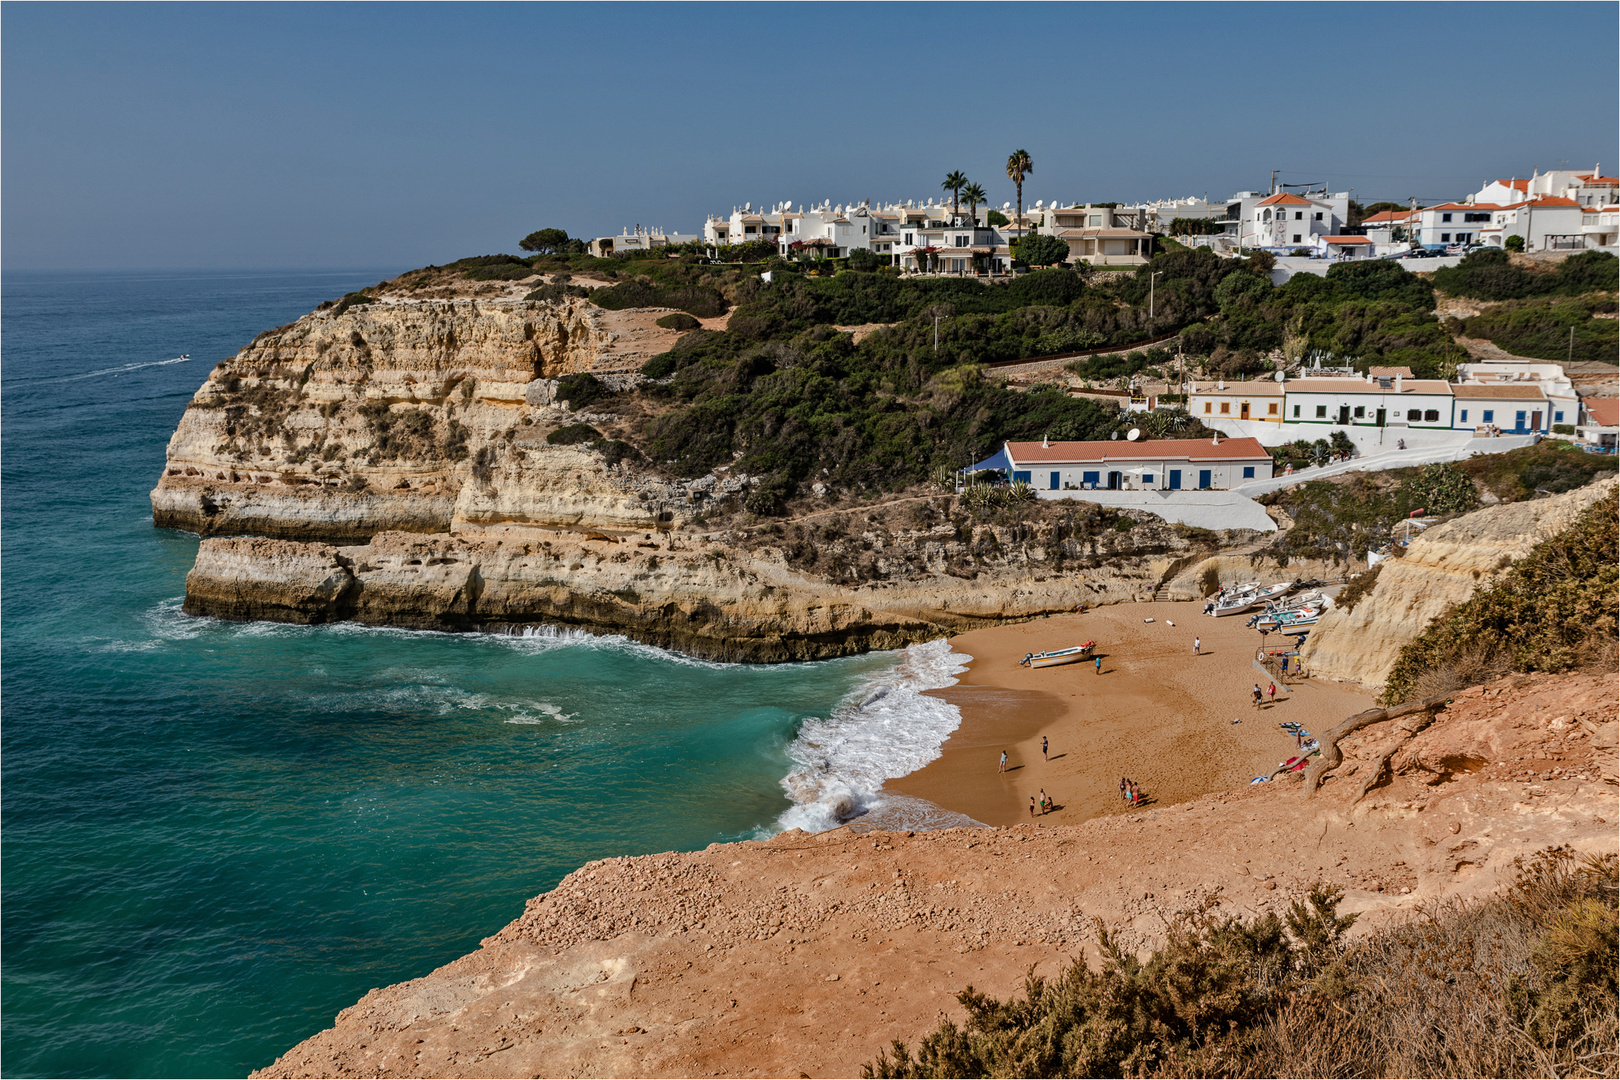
(1440, 489)
(1550, 328)
(703, 301)
(1563, 429)
(581, 390)
(1488, 274)
(573, 434)
(995, 219)
(1513, 243)
(1051, 288)
(679, 320)
(1038, 249)
(864, 261)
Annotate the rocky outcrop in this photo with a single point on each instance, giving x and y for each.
(1441, 569)
(686, 593)
(805, 955)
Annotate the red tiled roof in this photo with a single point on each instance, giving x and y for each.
(1519, 392)
(1387, 216)
(1390, 372)
(1284, 198)
(1605, 181)
(1033, 453)
(1604, 410)
(1465, 206)
(1522, 185)
(1346, 240)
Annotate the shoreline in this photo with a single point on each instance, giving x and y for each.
(1156, 714)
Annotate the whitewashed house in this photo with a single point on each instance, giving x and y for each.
(1217, 464)
(1260, 400)
(1562, 402)
(1599, 424)
(1512, 408)
(1285, 221)
(1376, 401)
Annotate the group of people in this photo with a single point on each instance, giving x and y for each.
(1045, 804)
(1130, 791)
(1260, 695)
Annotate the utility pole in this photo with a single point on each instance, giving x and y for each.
(1411, 226)
(1154, 276)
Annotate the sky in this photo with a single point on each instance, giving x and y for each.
(143, 136)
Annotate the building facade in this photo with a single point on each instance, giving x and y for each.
(1156, 465)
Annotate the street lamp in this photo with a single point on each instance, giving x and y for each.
(1151, 279)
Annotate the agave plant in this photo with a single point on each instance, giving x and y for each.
(945, 477)
(1020, 492)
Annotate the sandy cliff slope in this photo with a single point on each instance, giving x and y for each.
(806, 954)
(1440, 569)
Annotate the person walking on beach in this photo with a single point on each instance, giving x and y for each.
(1043, 748)
(1032, 807)
(1003, 762)
(1258, 696)
(1045, 804)
(1271, 691)
(1136, 793)
(1198, 643)
(1099, 665)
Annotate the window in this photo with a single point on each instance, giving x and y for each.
(1299, 215)
(1296, 238)
(1431, 415)
(1321, 412)
(1464, 237)
(908, 238)
(1248, 472)
(1319, 215)
(1296, 412)
(1089, 478)
(1095, 220)
(1476, 217)
(1414, 414)
(1021, 476)
(1361, 410)
(1558, 418)
(1445, 217)
(1271, 410)
(1463, 419)
(961, 241)
(1445, 238)
(1206, 408)
(1226, 407)
(1488, 416)
(1147, 478)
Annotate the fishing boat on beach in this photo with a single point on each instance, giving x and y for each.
(1241, 602)
(1057, 656)
(1289, 621)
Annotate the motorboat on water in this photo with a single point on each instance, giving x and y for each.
(1057, 656)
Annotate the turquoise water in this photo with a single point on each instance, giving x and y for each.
(216, 836)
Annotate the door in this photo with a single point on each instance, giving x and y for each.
(1203, 479)
(1344, 414)
(1535, 420)
(1243, 411)
(1114, 481)
(1518, 420)
(1175, 479)
(1055, 483)
(1380, 417)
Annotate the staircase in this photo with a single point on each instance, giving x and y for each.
(1163, 594)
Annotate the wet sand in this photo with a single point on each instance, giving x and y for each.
(1156, 714)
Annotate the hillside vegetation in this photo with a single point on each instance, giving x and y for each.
(1554, 610)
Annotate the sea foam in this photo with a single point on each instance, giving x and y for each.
(883, 729)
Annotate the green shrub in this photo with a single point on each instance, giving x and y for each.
(1551, 328)
(1440, 489)
(1513, 243)
(1038, 249)
(1563, 429)
(572, 434)
(703, 301)
(581, 390)
(1552, 466)
(679, 320)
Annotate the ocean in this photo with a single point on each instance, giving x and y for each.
(215, 835)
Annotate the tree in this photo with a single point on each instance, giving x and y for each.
(1040, 250)
(864, 260)
(974, 194)
(955, 181)
(1514, 243)
(994, 218)
(1019, 165)
(545, 242)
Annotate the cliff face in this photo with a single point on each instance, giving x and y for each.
(805, 955)
(338, 426)
(1440, 569)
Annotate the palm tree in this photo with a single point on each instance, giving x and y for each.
(974, 194)
(954, 183)
(1019, 166)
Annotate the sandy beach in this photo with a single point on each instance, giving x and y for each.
(1157, 714)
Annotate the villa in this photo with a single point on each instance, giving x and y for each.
(1215, 464)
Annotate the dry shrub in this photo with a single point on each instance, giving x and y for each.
(1519, 984)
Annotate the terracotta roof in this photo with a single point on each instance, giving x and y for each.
(1345, 240)
(1540, 201)
(1257, 388)
(1522, 185)
(1498, 392)
(1390, 372)
(1385, 217)
(1465, 206)
(1283, 198)
(1362, 386)
(1605, 181)
(1033, 453)
(1604, 410)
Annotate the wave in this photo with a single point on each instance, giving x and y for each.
(885, 728)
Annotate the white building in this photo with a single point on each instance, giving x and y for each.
(1375, 401)
(1100, 235)
(1562, 402)
(1284, 221)
(1520, 409)
(1600, 421)
(637, 239)
(1561, 210)
(1155, 465)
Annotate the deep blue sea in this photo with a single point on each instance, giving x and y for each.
(215, 836)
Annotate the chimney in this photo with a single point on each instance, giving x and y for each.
(1397, 382)
(1046, 443)
(1217, 440)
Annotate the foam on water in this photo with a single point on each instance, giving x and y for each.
(884, 729)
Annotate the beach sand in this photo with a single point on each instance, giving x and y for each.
(1156, 714)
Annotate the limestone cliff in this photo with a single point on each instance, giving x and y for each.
(1440, 569)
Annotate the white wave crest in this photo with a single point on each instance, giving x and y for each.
(885, 728)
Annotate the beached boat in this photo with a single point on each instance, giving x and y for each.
(1242, 602)
(1288, 621)
(1057, 656)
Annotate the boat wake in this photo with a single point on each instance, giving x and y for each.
(122, 369)
(885, 728)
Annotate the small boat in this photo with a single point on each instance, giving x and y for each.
(1244, 601)
(1057, 656)
(1288, 621)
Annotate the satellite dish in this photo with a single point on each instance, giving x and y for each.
(1281, 376)
(1113, 435)
(1133, 434)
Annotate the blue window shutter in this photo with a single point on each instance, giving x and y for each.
(1490, 416)
(1021, 474)
(1147, 478)
(1248, 472)
(1464, 418)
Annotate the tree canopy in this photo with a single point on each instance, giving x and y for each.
(545, 242)
(1038, 249)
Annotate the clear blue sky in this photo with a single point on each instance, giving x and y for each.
(310, 135)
